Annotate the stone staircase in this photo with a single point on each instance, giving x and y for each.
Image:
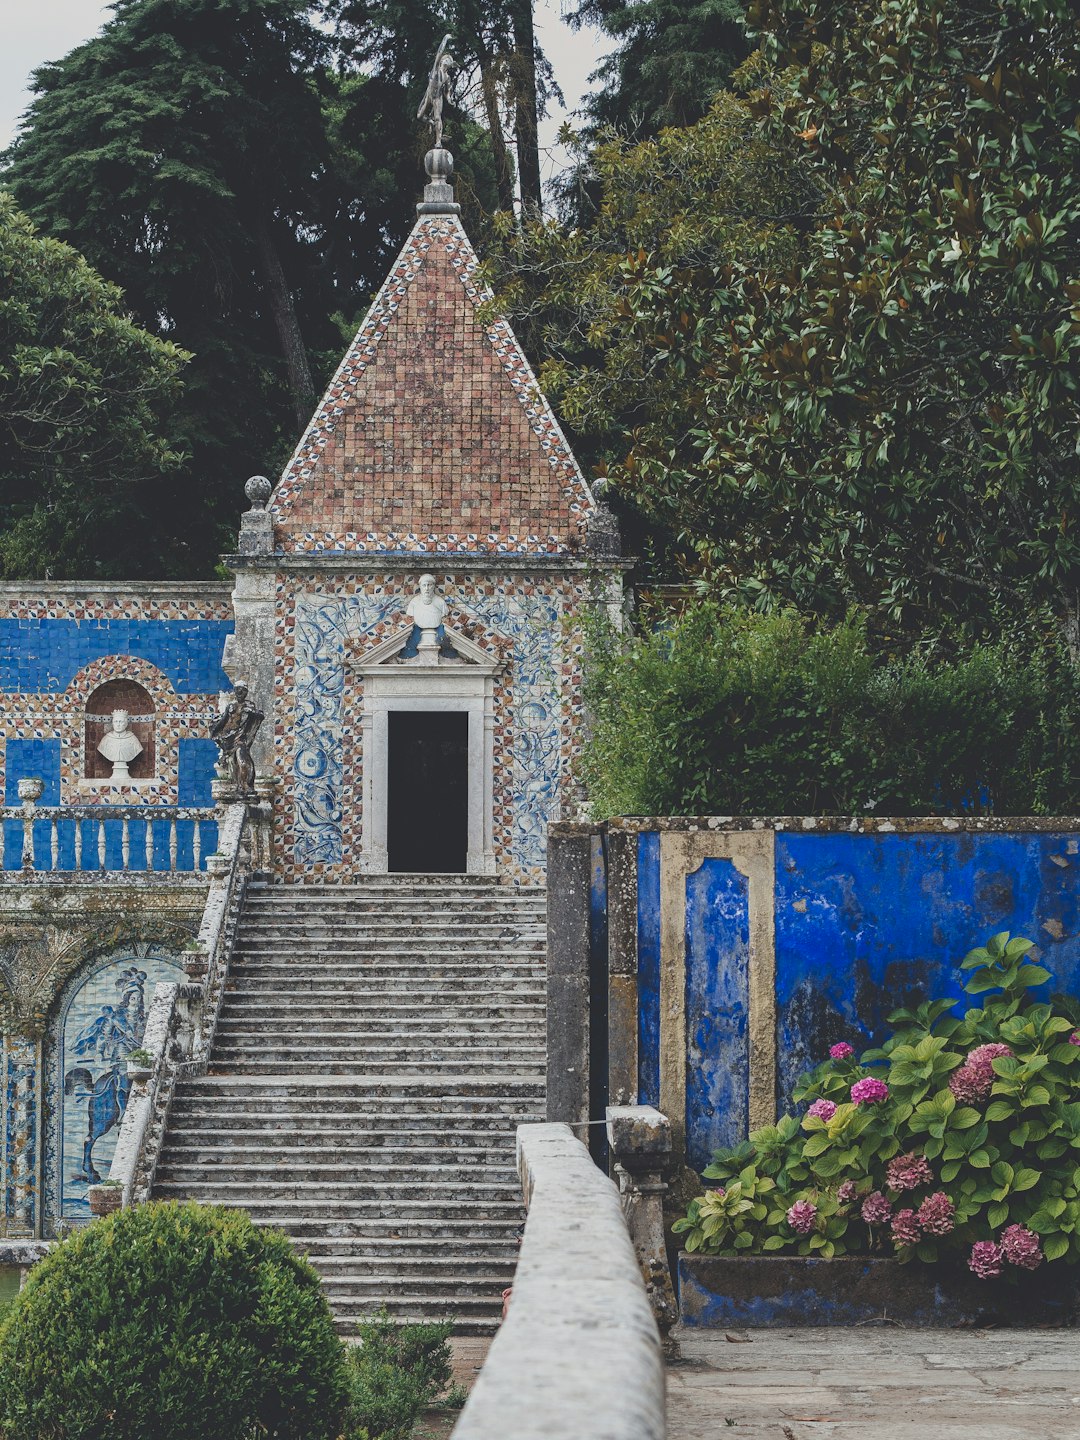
(377, 1045)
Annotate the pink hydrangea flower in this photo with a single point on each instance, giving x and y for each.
(985, 1259)
(906, 1229)
(823, 1109)
(937, 1214)
(847, 1192)
(801, 1217)
(870, 1090)
(908, 1172)
(972, 1083)
(876, 1210)
(1021, 1247)
(1074, 1038)
(841, 1051)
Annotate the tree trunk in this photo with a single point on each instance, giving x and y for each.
(503, 180)
(525, 108)
(301, 386)
(1071, 624)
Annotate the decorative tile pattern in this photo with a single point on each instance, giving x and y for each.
(433, 435)
(100, 1018)
(20, 1134)
(319, 700)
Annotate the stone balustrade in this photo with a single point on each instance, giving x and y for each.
(104, 839)
(579, 1353)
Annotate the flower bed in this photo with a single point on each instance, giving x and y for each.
(956, 1143)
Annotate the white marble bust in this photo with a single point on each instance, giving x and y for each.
(426, 609)
(120, 745)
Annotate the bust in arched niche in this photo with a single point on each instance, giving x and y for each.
(120, 746)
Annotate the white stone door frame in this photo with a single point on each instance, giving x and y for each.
(467, 686)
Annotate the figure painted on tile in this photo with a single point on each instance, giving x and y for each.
(427, 611)
(437, 84)
(234, 731)
(120, 745)
(106, 1040)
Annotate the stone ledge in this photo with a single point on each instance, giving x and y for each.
(579, 1353)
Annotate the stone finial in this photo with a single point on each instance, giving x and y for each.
(438, 192)
(256, 524)
(31, 789)
(257, 490)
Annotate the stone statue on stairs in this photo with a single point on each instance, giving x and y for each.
(233, 731)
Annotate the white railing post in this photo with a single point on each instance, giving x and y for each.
(30, 792)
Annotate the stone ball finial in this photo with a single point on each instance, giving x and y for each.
(257, 491)
(439, 164)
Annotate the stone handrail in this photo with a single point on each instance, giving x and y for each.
(78, 834)
(182, 1019)
(579, 1353)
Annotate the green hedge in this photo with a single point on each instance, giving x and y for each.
(733, 714)
(171, 1320)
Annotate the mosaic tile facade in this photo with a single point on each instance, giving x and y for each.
(100, 1018)
(324, 624)
(21, 1134)
(433, 435)
(54, 653)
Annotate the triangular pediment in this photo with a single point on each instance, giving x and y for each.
(387, 654)
(433, 436)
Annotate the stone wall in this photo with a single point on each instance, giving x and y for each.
(727, 954)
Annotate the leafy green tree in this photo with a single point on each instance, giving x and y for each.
(90, 478)
(891, 419)
(670, 60)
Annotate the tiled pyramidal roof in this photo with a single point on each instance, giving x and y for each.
(433, 436)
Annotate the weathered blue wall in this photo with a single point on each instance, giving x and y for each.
(39, 656)
(717, 1006)
(865, 923)
(648, 961)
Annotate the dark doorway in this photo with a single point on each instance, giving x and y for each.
(427, 820)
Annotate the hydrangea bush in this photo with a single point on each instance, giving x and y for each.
(958, 1139)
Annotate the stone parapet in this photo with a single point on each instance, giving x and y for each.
(579, 1353)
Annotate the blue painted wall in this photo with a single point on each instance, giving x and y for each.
(866, 924)
(39, 656)
(717, 1006)
(648, 961)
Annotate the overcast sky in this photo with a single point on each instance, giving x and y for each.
(39, 30)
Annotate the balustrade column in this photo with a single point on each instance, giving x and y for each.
(30, 792)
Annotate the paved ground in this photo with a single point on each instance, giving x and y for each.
(864, 1383)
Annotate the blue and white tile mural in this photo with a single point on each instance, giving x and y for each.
(101, 1019)
(530, 617)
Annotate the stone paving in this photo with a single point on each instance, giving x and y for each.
(862, 1383)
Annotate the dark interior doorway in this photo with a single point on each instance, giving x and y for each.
(427, 820)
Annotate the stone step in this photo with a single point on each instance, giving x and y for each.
(454, 1249)
(466, 1226)
(492, 1175)
(342, 1267)
(212, 1147)
(361, 1007)
(307, 927)
(373, 949)
(404, 1043)
(481, 1286)
(284, 980)
(245, 1193)
(345, 1024)
(462, 1069)
(398, 1091)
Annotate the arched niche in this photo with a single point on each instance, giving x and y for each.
(131, 697)
(100, 1018)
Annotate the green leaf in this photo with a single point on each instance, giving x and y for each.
(1055, 1246)
(997, 1214)
(774, 1242)
(1025, 1179)
(1000, 1110)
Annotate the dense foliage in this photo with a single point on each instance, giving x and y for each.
(90, 479)
(396, 1372)
(178, 1320)
(958, 1139)
(888, 413)
(669, 60)
(724, 712)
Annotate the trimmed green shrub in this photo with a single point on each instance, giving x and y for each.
(958, 1139)
(395, 1372)
(171, 1320)
(721, 712)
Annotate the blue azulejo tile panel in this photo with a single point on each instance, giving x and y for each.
(866, 924)
(102, 1018)
(196, 771)
(717, 1006)
(39, 656)
(25, 759)
(648, 971)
